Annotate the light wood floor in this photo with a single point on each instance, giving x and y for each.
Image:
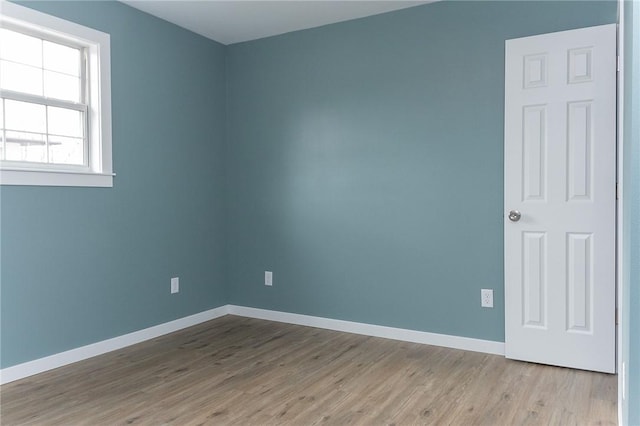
(242, 371)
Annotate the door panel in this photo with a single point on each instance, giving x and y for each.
(560, 118)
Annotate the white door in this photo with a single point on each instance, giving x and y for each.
(560, 198)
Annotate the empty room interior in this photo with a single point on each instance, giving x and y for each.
(319, 212)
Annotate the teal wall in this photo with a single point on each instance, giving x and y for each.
(365, 164)
(80, 265)
(631, 234)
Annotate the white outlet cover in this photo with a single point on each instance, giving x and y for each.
(268, 278)
(486, 298)
(175, 285)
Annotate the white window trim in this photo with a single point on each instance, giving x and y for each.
(98, 45)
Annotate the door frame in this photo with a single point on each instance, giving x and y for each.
(619, 267)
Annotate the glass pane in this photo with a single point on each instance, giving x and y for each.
(61, 58)
(20, 48)
(61, 86)
(24, 146)
(65, 122)
(66, 150)
(25, 116)
(20, 78)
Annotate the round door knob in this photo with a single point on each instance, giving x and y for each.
(514, 215)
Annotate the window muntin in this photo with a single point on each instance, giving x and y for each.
(44, 104)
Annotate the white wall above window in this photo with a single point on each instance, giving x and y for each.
(87, 159)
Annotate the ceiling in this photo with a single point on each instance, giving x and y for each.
(231, 22)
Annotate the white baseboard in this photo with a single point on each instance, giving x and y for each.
(41, 365)
(455, 342)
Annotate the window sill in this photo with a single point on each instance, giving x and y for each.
(55, 178)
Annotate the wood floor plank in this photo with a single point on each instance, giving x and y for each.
(240, 371)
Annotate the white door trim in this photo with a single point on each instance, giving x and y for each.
(620, 296)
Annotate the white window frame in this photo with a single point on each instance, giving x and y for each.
(99, 172)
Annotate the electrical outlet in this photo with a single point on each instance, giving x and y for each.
(486, 296)
(175, 285)
(268, 278)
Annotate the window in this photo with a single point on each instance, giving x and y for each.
(55, 106)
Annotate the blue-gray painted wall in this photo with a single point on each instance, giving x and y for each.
(631, 237)
(80, 265)
(365, 164)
